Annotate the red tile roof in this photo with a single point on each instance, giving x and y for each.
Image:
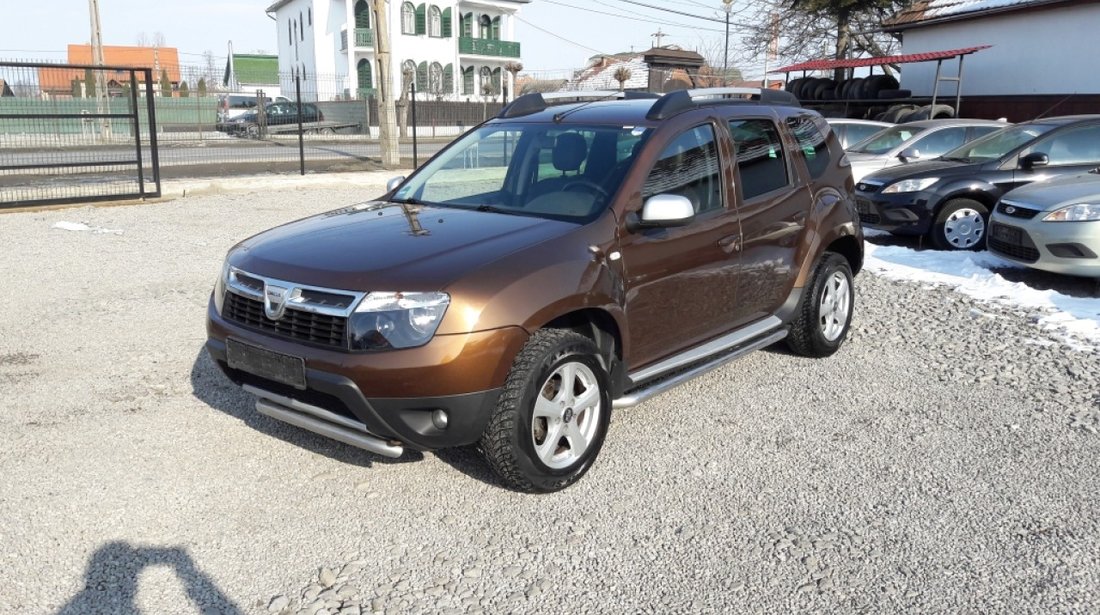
(59, 80)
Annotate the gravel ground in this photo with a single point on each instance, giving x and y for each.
(944, 461)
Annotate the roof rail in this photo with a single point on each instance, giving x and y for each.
(535, 102)
(680, 100)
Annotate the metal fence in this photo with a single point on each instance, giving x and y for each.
(77, 148)
(206, 129)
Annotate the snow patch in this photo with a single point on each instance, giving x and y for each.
(81, 227)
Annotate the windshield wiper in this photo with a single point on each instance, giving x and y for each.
(408, 201)
(494, 209)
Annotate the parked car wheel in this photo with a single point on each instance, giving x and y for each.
(552, 416)
(825, 313)
(960, 225)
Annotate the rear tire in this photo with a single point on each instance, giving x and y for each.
(960, 225)
(550, 421)
(825, 313)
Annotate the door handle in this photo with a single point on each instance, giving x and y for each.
(730, 244)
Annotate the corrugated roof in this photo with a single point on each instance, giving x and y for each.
(60, 80)
(924, 11)
(861, 62)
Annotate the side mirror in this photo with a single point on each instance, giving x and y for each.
(1034, 159)
(394, 183)
(907, 153)
(663, 210)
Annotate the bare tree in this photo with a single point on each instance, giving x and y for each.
(142, 39)
(711, 73)
(158, 39)
(803, 30)
(622, 75)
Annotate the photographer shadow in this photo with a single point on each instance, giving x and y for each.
(111, 581)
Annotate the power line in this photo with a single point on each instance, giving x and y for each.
(558, 36)
(685, 14)
(621, 16)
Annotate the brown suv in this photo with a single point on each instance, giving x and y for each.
(551, 264)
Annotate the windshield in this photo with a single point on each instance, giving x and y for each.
(564, 172)
(996, 144)
(886, 140)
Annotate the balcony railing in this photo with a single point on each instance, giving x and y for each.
(365, 93)
(364, 37)
(487, 47)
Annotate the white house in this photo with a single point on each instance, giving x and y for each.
(1039, 47)
(454, 49)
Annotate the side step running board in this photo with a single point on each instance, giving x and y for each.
(646, 391)
(321, 421)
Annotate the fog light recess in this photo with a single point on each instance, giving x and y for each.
(439, 418)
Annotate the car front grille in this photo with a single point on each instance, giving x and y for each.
(867, 212)
(1016, 211)
(321, 329)
(1012, 242)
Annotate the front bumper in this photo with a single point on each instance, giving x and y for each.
(905, 213)
(1070, 248)
(390, 395)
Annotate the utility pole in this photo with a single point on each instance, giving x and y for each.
(100, 76)
(387, 113)
(658, 35)
(726, 56)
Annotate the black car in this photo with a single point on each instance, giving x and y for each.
(949, 198)
(275, 114)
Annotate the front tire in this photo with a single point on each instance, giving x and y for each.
(961, 225)
(550, 421)
(825, 314)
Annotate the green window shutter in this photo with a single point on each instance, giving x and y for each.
(468, 25)
(449, 78)
(422, 77)
(468, 80)
(421, 19)
(496, 81)
(496, 30)
(447, 23)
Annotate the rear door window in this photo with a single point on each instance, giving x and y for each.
(761, 161)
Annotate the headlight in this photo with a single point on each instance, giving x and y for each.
(396, 320)
(910, 185)
(1081, 212)
(219, 286)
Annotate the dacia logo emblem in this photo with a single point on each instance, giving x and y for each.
(275, 298)
(1010, 210)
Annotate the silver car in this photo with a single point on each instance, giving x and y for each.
(915, 141)
(1053, 225)
(851, 131)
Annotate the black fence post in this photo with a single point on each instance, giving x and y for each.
(135, 125)
(301, 132)
(412, 87)
(151, 109)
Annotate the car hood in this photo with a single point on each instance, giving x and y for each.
(937, 167)
(1057, 193)
(389, 246)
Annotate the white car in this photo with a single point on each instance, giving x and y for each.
(915, 141)
(851, 131)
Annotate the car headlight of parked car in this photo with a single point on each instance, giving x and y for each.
(910, 185)
(219, 286)
(1079, 212)
(385, 320)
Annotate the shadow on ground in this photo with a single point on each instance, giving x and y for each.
(210, 386)
(111, 581)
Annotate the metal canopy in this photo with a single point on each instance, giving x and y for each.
(899, 59)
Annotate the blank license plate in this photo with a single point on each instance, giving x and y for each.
(266, 363)
(1006, 233)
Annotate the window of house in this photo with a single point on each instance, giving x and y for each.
(408, 18)
(466, 25)
(435, 21)
(688, 167)
(301, 26)
(309, 12)
(468, 81)
(290, 31)
(494, 29)
(761, 161)
(435, 78)
(362, 14)
(485, 81)
(811, 140)
(408, 73)
(363, 70)
(486, 27)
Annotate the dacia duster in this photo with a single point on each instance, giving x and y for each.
(579, 253)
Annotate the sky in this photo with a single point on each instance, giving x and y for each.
(557, 35)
